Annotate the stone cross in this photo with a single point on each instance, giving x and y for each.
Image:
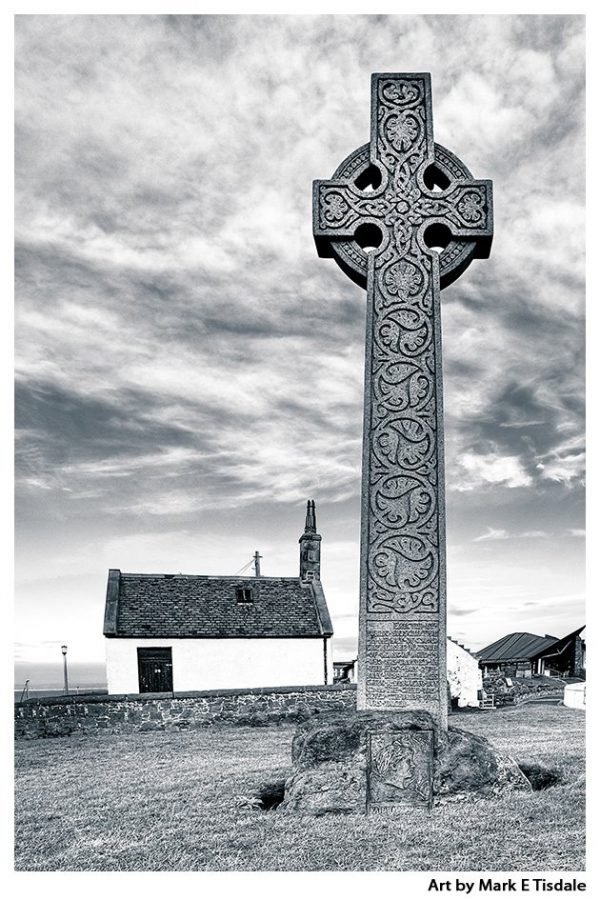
(403, 217)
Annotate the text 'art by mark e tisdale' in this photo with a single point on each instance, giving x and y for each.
(405, 196)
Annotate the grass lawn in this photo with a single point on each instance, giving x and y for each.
(172, 801)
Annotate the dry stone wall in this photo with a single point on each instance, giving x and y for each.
(123, 714)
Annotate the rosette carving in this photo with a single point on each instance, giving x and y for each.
(402, 280)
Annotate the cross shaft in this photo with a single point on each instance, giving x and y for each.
(384, 195)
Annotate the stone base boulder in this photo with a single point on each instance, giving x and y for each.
(362, 761)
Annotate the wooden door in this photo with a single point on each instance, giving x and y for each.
(155, 670)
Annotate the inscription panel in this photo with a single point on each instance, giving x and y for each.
(401, 665)
(399, 769)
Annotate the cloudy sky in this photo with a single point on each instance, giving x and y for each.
(189, 372)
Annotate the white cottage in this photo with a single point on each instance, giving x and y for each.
(199, 632)
(464, 674)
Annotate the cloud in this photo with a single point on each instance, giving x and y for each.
(501, 534)
(493, 534)
(565, 463)
(490, 469)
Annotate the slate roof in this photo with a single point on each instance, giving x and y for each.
(204, 606)
(520, 645)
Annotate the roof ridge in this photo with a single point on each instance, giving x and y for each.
(462, 646)
(212, 577)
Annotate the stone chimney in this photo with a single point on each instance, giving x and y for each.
(310, 547)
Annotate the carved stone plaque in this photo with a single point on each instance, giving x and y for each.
(399, 769)
(383, 216)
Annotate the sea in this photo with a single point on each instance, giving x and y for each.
(47, 679)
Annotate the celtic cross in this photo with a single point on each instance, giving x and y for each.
(382, 216)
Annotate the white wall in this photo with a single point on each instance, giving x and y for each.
(203, 664)
(574, 695)
(464, 675)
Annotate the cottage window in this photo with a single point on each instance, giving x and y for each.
(243, 595)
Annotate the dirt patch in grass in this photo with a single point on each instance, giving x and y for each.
(541, 777)
(171, 801)
(270, 794)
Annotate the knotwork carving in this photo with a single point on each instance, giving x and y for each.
(403, 571)
(403, 500)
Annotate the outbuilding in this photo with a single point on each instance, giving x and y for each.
(524, 654)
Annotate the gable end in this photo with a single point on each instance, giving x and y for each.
(111, 610)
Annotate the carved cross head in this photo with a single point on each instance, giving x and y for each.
(403, 197)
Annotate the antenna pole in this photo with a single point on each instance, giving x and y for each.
(257, 559)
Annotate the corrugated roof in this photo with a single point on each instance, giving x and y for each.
(207, 606)
(520, 645)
